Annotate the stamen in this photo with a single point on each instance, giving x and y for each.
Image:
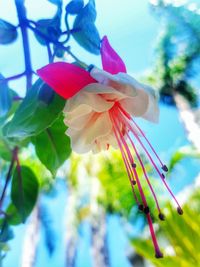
(180, 211)
(157, 249)
(134, 165)
(128, 168)
(118, 132)
(163, 166)
(165, 169)
(141, 207)
(161, 217)
(149, 156)
(145, 174)
(146, 210)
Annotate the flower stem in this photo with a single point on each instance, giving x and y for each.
(14, 77)
(58, 44)
(8, 176)
(21, 13)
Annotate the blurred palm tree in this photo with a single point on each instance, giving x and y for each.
(99, 187)
(177, 65)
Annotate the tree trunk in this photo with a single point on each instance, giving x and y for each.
(189, 119)
(31, 240)
(100, 254)
(71, 229)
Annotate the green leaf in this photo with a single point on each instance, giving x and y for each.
(6, 233)
(5, 151)
(85, 31)
(74, 7)
(14, 217)
(35, 113)
(5, 97)
(50, 28)
(8, 32)
(53, 146)
(24, 191)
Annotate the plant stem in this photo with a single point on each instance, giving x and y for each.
(20, 185)
(21, 13)
(50, 56)
(58, 44)
(14, 77)
(8, 176)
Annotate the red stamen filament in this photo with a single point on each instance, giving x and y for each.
(142, 133)
(124, 119)
(143, 169)
(123, 146)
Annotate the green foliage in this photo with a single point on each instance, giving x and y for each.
(14, 216)
(24, 191)
(180, 234)
(86, 33)
(5, 151)
(8, 32)
(5, 97)
(180, 154)
(53, 146)
(34, 115)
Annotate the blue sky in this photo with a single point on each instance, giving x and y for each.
(129, 26)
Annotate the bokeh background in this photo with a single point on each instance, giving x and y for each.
(86, 216)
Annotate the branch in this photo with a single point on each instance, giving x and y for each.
(21, 13)
(58, 44)
(8, 176)
(14, 77)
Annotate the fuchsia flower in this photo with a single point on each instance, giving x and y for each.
(100, 112)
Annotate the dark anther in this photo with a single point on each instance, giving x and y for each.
(159, 254)
(90, 67)
(163, 176)
(133, 182)
(146, 210)
(161, 216)
(165, 169)
(133, 165)
(179, 210)
(141, 207)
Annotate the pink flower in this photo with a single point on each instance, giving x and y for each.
(100, 112)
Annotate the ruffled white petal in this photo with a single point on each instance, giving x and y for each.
(152, 112)
(93, 101)
(99, 126)
(136, 106)
(114, 81)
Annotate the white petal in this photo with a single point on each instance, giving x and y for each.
(152, 113)
(84, 140)
(84, 101)
(136, 106)
(115, 81)
(77, 122)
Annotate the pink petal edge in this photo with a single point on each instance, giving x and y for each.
(111, 61)
(65, 79)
